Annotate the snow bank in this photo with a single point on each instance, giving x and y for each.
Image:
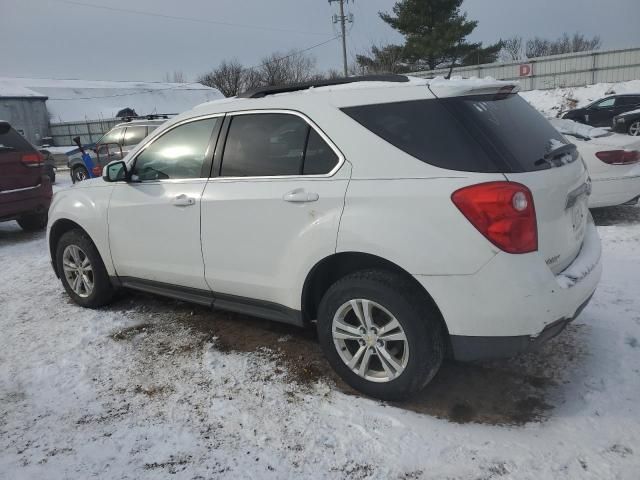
(555, 101)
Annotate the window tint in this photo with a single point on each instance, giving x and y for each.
(134, 135)
(113, 136)
(265, 144)
(14, 142)
(481, 133)
(179, 153)
(319, 158)
(606, 103)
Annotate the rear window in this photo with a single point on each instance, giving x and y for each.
(12, 141)
(481, 133)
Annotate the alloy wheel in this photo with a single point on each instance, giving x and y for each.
(78, 270)
(370, 340)
(634, 128)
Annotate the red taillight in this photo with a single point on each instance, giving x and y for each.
(503, 212)
(32, 159)
(619, 157)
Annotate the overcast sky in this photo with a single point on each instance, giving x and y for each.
(65, 39)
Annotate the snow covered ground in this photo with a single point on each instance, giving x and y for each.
(150, 387)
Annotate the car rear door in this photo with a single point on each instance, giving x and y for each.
(20, 163)
(154, 219)
(601, 113)
(272, 208)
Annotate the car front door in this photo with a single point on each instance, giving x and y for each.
(601, 113)
(154, 219)
(272, 207)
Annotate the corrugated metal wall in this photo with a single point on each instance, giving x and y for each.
(28, 116)
(88, 131)
(569, 70)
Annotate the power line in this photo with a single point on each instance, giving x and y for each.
(187, 19)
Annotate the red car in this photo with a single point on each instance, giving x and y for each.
(25, 189)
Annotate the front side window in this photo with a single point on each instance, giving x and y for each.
(134, 135)
(606, 103)
(274, 144)
(179, 153)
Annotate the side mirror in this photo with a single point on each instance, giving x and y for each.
(116, 172)
(4, 127)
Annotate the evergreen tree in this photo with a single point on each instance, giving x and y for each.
(435, 32)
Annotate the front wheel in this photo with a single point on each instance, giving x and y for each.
(380, 334)
(82, 271)
(79, 173)
(634, 128)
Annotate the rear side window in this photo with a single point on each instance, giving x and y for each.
(12, 141)
(483, 133)
(134, 135)
(274, 144)
(623, 101)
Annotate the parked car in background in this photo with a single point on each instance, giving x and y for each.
(613, 162)
(25, 189)
(601, 112)
(628, 122)
(115, 144)
(406, 218)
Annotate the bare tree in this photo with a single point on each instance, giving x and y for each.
(228, 77)
(176, 77)
(382, 59)
(539, 47)
(512, 49)
(285, 69)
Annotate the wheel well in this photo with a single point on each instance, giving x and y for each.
(57, 230)
(332, 268)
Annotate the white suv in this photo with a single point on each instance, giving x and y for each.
(411, 219)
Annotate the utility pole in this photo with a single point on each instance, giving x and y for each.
(343, 19)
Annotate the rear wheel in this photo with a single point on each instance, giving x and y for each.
(51, 173)
(33, 221)
(380, 334)
(634, 128)
(82, 271)
(79, 173)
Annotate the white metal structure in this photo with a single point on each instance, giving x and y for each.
(400, 257)
(613, 161)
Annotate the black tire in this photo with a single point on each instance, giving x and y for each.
(103, 290)
(51, 173)
(410, 307)
(32, 222)
(79, 173)
(634, 128)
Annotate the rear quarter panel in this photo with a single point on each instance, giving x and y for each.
(414, 224)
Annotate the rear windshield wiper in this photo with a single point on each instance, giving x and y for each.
(549, 157)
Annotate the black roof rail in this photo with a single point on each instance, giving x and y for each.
(264, 91)
(153, 116)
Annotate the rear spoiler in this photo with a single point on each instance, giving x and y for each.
(457, 87)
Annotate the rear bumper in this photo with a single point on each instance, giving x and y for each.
(515, 302)
(14, 203)
(609, 192)
(466, 349)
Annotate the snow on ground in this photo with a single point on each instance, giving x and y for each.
(143, 389)
(552, 102)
